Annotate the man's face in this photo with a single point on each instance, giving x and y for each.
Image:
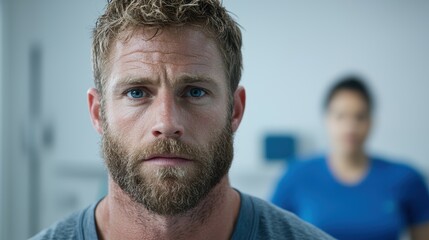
(166, 121)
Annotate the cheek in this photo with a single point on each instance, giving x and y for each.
(335, 127)
(205, 121)
(365, 129)
(127, 122)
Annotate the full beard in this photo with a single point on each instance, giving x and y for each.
(169, 190)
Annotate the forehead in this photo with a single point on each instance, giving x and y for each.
(348, 100)
(185, 37)
(185, 49)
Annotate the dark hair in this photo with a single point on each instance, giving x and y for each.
(350, 83)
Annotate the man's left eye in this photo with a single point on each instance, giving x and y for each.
(195, 92)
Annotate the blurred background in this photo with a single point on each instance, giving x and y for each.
(293, 51)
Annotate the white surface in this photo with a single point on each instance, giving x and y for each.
(1, 121)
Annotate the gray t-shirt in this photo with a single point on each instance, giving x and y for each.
(257, 220)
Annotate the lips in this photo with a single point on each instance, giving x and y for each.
(167, 160)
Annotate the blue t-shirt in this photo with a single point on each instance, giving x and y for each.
(257, 220)
(389, 199)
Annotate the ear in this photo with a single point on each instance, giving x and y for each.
(94, 109)
(238, 107)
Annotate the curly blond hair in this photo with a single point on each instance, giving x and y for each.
(210, 15)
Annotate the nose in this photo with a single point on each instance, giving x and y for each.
(168, 120)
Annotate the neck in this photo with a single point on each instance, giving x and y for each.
(118, 217)
(349, 168)
(353, 159)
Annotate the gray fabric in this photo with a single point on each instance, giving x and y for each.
(257, 220)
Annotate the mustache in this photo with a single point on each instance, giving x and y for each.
(167, 146)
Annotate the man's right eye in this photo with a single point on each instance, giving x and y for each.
(136, 93)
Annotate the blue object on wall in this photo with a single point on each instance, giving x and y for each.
(280, 147)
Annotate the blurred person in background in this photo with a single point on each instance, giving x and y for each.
(348, 193)
(167, 102)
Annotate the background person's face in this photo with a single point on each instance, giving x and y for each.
(167, 134)
(348, 122)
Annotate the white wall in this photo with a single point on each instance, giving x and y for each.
(1, 120)
(293, 50)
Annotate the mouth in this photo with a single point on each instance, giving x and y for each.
(167, 160)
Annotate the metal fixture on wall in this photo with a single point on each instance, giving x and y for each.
(35, 98)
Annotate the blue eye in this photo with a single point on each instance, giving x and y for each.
(195, 92)
(136, 93)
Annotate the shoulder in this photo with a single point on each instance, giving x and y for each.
(79, 225)
(64, 229)
(403, 178)
(301, 172)
(276, 223)
(305, 164)
(396, 169)
(301, 169)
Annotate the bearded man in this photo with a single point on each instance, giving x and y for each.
(166, 103)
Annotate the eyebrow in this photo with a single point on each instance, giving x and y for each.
(189, 79)
(131, 81)
(134, 81)
(184, 79)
